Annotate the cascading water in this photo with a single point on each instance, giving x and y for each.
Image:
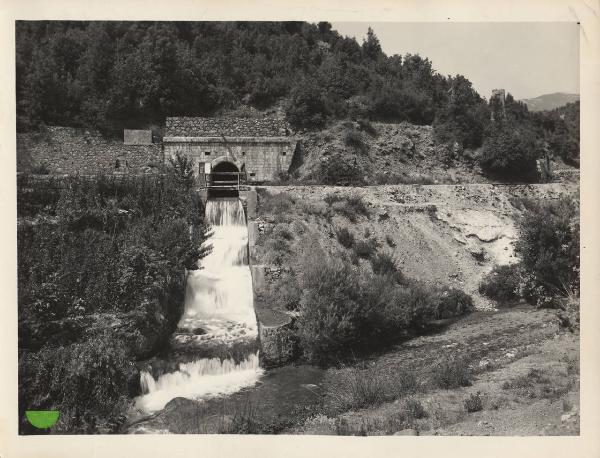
(218, 310)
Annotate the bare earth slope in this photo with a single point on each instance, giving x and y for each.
(444, 234)
(525, 368)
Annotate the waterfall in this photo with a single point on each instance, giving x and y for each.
(218, 309)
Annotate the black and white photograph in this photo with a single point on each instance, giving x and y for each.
(332, 228)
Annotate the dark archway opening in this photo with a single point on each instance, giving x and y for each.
(224, 180)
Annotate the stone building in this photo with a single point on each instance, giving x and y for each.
(260, 147)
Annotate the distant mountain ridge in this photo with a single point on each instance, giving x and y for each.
(550, 101)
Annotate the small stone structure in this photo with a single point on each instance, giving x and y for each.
(137, 137)
(259, 146)
(497, 103)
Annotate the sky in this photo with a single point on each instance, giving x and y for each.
(527, 59)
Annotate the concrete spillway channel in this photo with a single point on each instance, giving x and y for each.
(222, 344)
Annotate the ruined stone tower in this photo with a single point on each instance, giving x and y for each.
(497, 107)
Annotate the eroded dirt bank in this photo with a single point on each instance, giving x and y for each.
(444, 234)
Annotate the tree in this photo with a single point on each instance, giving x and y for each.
(307, 106)
(509, 153)
(371, 47)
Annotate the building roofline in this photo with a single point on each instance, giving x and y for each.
(225, 139)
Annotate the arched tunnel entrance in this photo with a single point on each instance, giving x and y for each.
(225, 180)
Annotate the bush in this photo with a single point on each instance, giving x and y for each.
(284, 294)
(345, 237)
(343, 310)
(350, 207)
(502, 284)
(355, 140)
(413, 409)
(307, 106)
(452, 373)
(549, 247)
(510, 154)
(384, 264)
(365, 248)
(453, 302)
(330, 309)
(275, 204)
(119, 248)
(87, 382)
(474, 403)
(340, 169)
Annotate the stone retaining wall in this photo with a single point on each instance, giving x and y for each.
(67, 150)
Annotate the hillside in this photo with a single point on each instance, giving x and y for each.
(550, 101)
(380, 153)
(111, 75)
(447, 235)
(108, 76)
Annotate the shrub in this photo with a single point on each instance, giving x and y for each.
(452, 373)
(307, 107)
(345, 237)
(355, 140)
(350, 207)
(275, 204)
(182, 168)
(365, 249)
(384, 264)
(453, 302)
(340, 169)
(331, 309)
(87, 382)
(474, 403)
(282, 231)
(410, 410)
(510, 154)
(549, 247)
(366, 389)
(119, 247)
(285, 293)
(342, 311)
(413, 409)
(502, 284)
(331, 198)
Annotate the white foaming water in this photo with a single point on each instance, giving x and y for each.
(204, 378)
(218, 301)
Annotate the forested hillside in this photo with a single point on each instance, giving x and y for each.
(110, 75)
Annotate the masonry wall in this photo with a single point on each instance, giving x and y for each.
(66, 150)
(264, 158)
(225, 126)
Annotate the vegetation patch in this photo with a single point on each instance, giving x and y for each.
(474, 403)
(351, 207)
(502, 284)
(101, 281)
(452, 373)
(345, 237)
